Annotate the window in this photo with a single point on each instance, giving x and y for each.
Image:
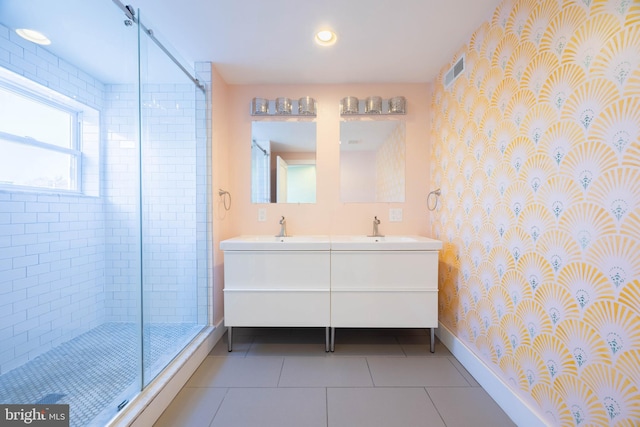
(39, 141)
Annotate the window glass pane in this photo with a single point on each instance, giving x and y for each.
(23, 116)
(34, 167)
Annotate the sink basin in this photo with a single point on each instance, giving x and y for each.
(272, 243)
(335, 243)
(397, 243)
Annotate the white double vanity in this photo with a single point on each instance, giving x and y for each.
(331, 282)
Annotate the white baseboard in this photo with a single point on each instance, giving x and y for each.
(147, 407)
(519, 411)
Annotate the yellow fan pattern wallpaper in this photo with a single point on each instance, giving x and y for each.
(390, 165)
(536, 148)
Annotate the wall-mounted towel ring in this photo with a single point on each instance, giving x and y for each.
(222, 193)
(435, 194)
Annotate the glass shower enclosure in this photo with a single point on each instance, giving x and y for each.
(104, 237)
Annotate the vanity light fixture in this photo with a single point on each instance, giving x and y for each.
(326, 38)
(373, 105)
(307, 106)
(350, 105)
(259, 106)
(283, 106)
(33, 36)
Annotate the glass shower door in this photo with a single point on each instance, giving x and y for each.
(173, 202)
(70, 310)
(103, 259)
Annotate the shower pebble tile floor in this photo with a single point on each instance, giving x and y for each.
(91, 370)
(281, 377)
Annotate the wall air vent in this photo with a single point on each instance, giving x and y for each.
(453, 72)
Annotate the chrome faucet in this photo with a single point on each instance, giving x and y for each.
(376, 233)
(283, 228)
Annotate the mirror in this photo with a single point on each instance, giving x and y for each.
(283, 162)
(372, 161)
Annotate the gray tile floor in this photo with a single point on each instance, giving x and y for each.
(375, 377)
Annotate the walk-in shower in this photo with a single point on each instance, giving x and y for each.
(104, 238)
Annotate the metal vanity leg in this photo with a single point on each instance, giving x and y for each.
(433, 340)
(229, 338)
(333, 339)
(327, 344)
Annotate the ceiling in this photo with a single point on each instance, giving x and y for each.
(285, 136)
(259, 41)
(269, 42)
(365, 135)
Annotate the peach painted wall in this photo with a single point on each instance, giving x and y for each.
(329, 215)
(537, 151)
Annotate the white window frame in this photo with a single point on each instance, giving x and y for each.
(43, 96)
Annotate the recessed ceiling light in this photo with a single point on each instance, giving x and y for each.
(326, 37)
(33, 36)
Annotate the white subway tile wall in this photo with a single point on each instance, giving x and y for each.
(51, 274)
(69, 263)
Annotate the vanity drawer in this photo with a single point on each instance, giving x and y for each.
(277, 308)
(296, 270)
(385, 270)
(384, 309)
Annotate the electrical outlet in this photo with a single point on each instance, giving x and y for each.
(262, 215)
(395, 215)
